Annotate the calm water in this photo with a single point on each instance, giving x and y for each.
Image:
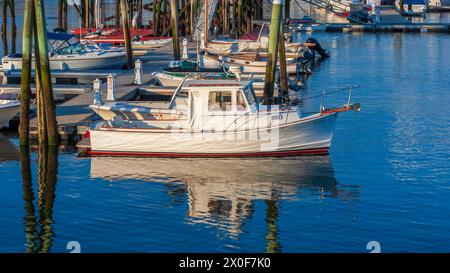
(387, 178)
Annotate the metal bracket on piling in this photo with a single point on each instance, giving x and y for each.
(111, 88)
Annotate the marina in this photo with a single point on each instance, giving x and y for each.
(321, 144)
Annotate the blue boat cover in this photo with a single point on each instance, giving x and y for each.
(59, 36)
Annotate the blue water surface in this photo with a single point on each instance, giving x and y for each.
(386, 179)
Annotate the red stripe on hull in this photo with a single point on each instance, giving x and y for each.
(319, 151)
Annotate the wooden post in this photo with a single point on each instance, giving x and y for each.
(13, 26)
(240, 17)
(60, 14)
(4, 27)
(234, 20)
(287, 9)
(126, 33)
(64, 21)
(140, 10)
(25, 89)
(283, 69)
(206, 22)
(274, 36)
(87, 14)
(174, 19)
(157, 19)
(117, 13)
(40, 107)
(194, 7)
(226, 24)
(45, 80)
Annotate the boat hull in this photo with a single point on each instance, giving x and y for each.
(311, 136)
(78, 62)
(247, 66)
(7, 112)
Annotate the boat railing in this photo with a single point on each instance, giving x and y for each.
(286, 103)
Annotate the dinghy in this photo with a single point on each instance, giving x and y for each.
(250, 62)
(215, 119)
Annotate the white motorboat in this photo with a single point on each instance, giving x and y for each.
(67, 53)
(9, 108)
(250, 63)
(212, 119)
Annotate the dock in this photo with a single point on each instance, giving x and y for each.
(389, 20)
(74, 115)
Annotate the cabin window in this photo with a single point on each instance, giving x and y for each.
(219, 101)
(240, 101)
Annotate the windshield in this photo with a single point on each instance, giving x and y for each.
(73, 49)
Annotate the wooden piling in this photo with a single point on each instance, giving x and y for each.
(13, 26)
(194, 7)
(240, 17)
(234, 19)
(117, 17)
(86, 13)
(274, 36)
(62, 16)
(287, 9)
(126, 33)
(226, 24)
(4, 27)
(40, 107)
(64, 21)
(44, 71)
(283, 68)
(157, 18)
(206, 22)
(174, 19)
(25, 89)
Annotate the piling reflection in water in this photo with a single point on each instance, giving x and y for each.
(38, 230)
(222, 192)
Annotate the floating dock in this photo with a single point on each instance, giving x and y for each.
(75, 88)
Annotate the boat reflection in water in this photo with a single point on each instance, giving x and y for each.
(222, 192)
(8, 152)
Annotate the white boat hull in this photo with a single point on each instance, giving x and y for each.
(307, 136)
(247, 66)
(7, 112)
(74, 62)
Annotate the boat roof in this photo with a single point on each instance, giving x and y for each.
(209, 85)
(59, 36)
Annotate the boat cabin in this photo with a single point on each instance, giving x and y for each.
(211, 101)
